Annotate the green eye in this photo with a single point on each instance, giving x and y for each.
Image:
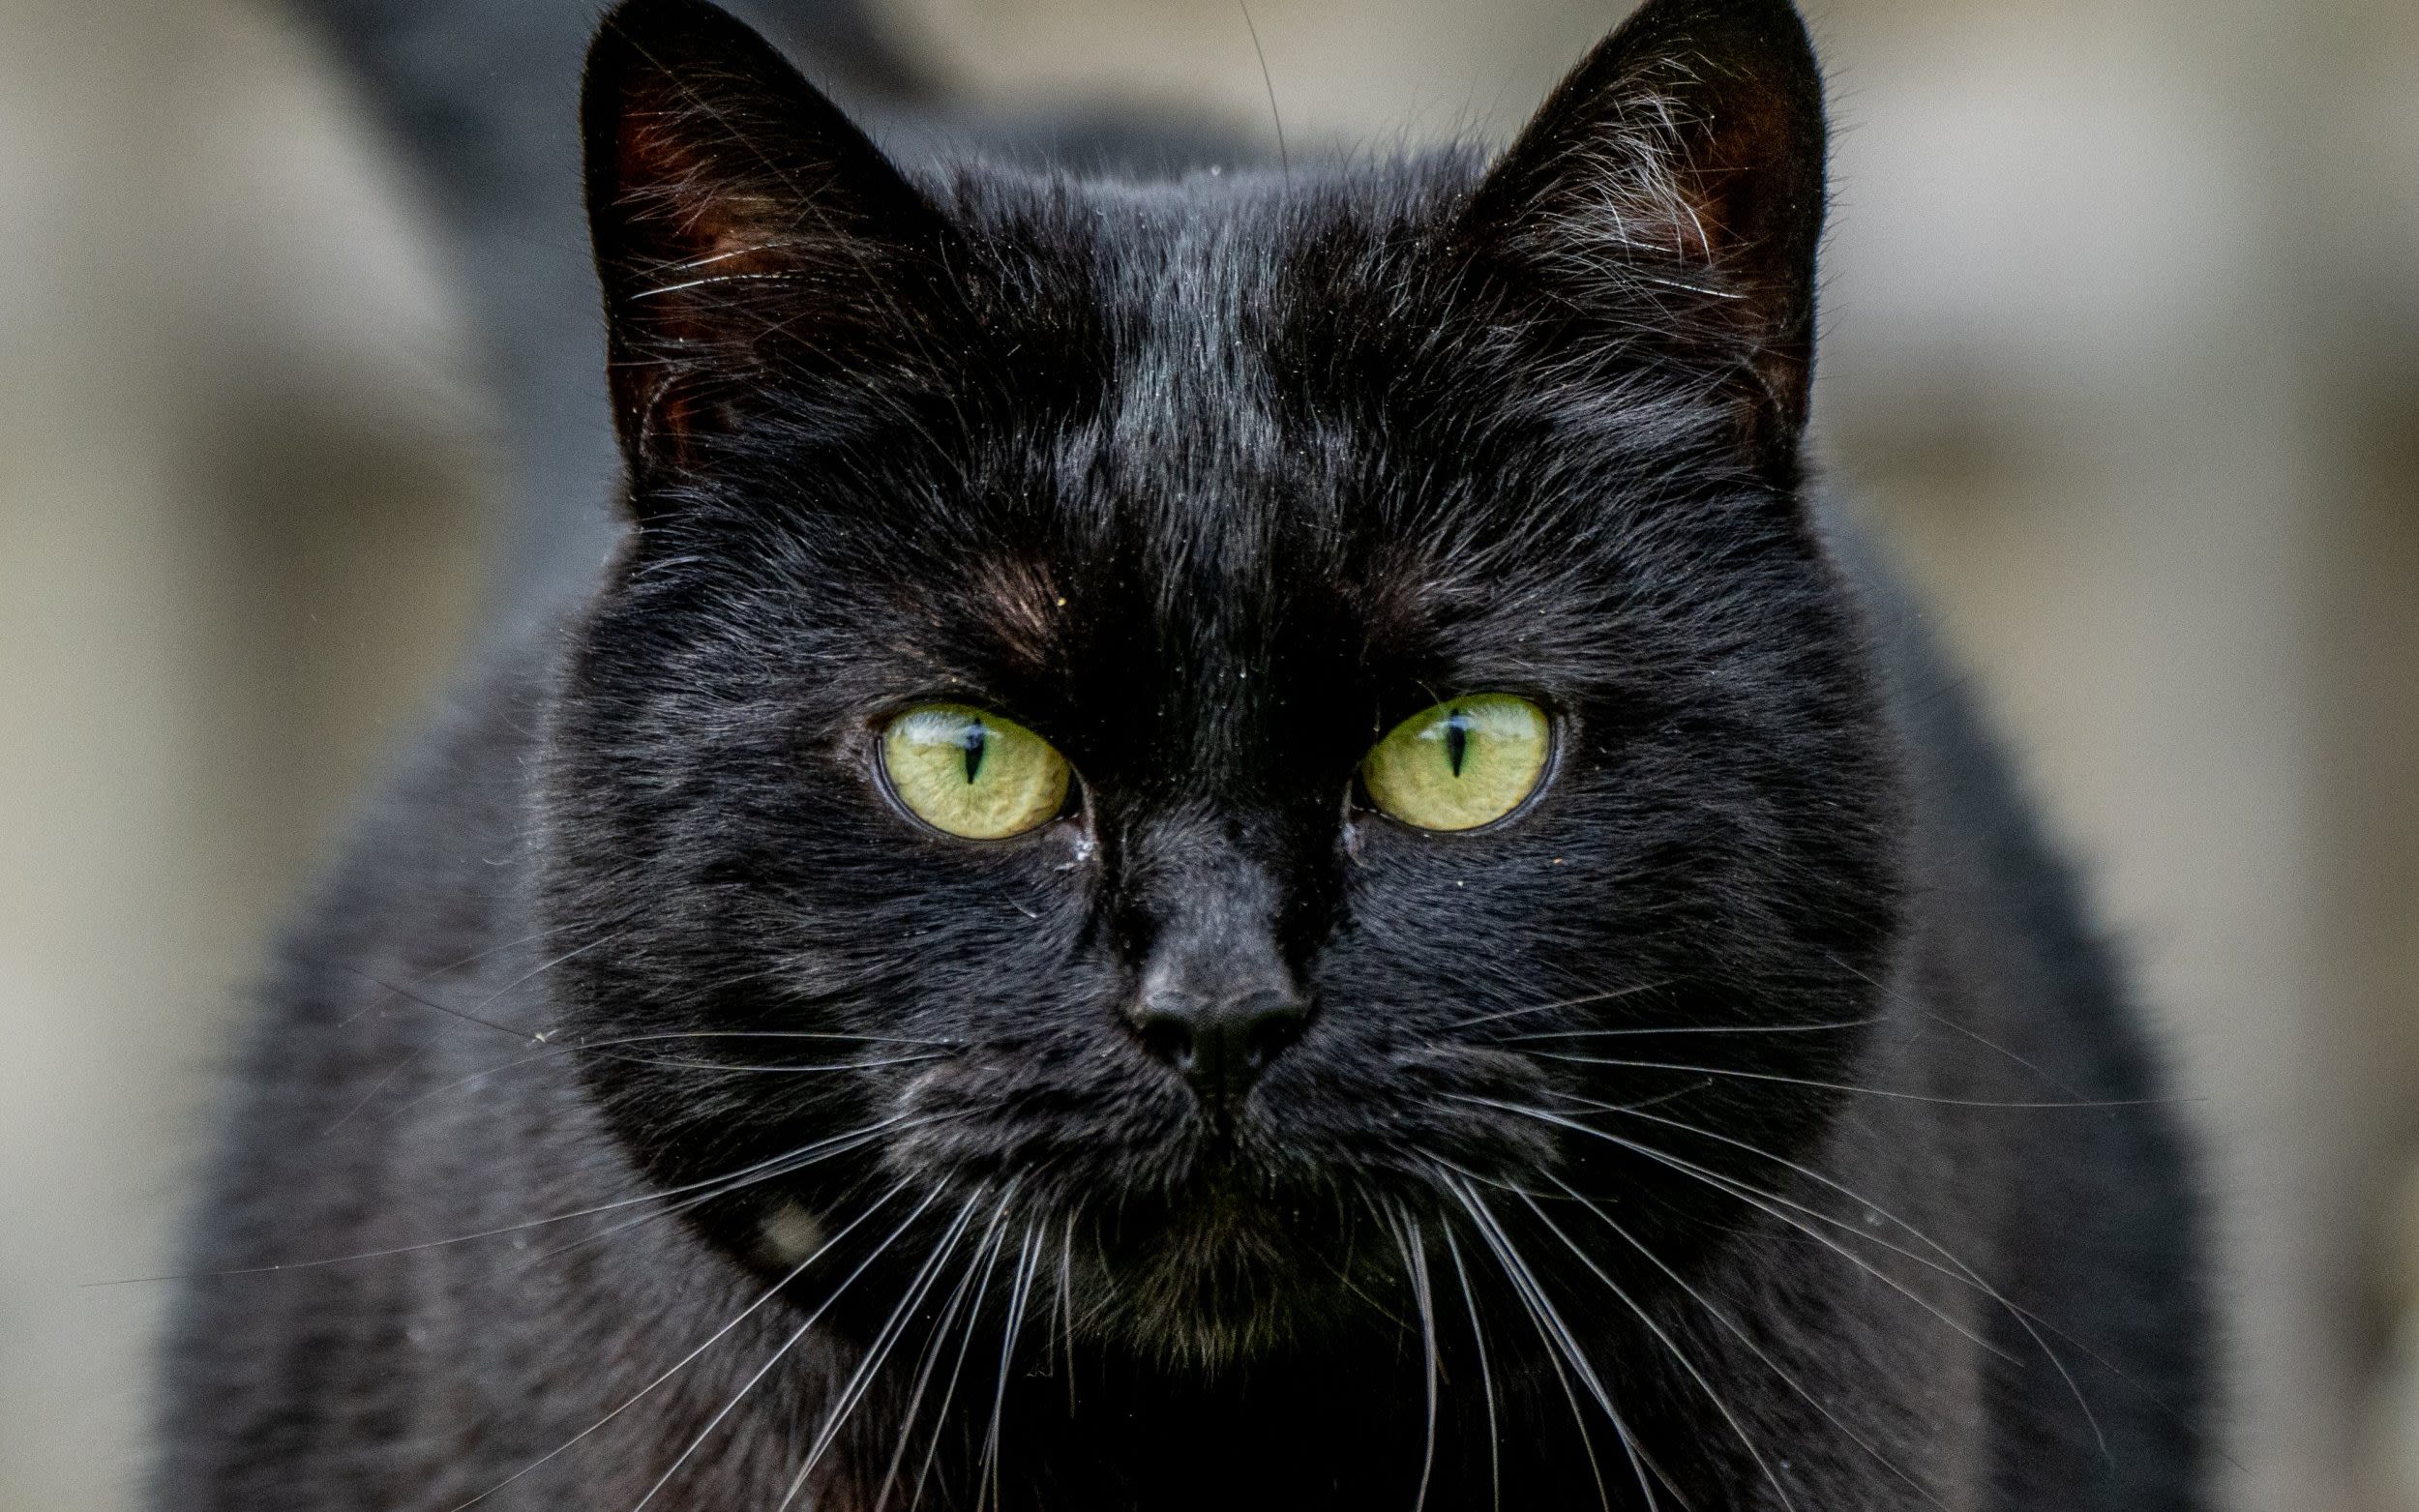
(973, 774)
(1462, 765)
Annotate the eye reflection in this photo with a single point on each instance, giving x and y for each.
(1464, 763)
(973, 774)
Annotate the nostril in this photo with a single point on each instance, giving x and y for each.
(1219, 1045)
(1263, 1025)
(1168, 1036)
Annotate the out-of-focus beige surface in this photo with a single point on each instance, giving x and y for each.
(2122, 352)
(240, 535)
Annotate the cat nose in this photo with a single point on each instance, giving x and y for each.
(1219, 1043)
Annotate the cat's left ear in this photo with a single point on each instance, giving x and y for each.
(1665, 205)
(749, 237)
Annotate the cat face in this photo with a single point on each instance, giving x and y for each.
(965, 778)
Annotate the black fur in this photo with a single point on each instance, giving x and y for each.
(1748, 1121)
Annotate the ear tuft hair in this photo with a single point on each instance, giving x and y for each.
(747, 233)
(1679, 170)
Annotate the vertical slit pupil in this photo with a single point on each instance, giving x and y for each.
(976, 740)
(1457, 740)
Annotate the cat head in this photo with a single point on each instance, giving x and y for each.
(1239, 728)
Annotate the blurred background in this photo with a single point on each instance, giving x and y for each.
(2122, 358)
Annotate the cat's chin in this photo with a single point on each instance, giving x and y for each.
(1196, 1319)
(1214, 1279)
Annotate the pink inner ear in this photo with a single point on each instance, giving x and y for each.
(709, 242)
(1730, 173)
(672, 188)
(1685, 180)
(1634, 192)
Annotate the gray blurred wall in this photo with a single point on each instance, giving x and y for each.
(2123, 356)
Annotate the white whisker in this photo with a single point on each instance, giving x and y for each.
(677, 1366)
(787, 1344)
(1486, 1371)
(1672, 1347)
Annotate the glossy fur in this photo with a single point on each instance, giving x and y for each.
(1750, 1120)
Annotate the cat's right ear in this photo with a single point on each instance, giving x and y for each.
(750, 239)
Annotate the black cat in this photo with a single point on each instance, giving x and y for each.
(1236, 841)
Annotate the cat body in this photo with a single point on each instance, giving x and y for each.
(667, 1104)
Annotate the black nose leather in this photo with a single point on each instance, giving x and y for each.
(1219, 1044)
